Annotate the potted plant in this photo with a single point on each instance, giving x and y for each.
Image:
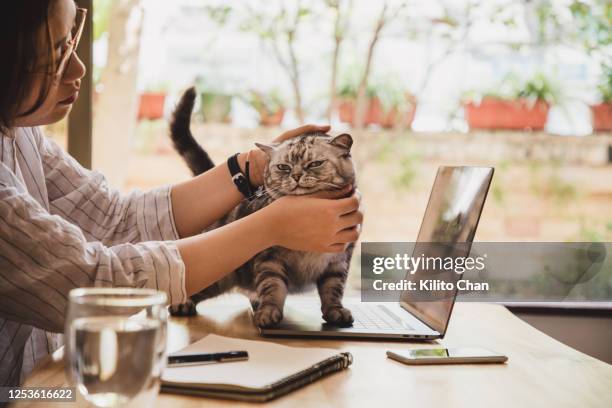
(347, 98)
(602, 112)
(151, 102)
(215, 103)
(215, 106)
(270, 107)
(388, 106)
(514, 105)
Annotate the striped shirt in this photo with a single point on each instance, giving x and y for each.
(62, 227)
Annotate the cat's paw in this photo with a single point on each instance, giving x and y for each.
(338, 316)
(267, 316)
(183, 309)
(254, 304)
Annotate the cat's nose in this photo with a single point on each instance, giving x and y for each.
(296, 177)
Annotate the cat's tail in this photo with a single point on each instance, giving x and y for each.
(185, 144)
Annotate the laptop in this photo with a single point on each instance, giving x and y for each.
(452, 214)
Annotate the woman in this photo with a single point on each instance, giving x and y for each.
(61, 227)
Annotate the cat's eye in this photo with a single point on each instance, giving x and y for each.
(314, 164)
(283, 167)
(346, 156)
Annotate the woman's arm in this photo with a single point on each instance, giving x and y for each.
(83, 197)
(43, 257)
(313, 224)
(210, 256)
(202, 200)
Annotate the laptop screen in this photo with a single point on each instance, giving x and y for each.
(448, 228)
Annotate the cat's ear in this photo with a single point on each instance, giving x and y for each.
(266, 148)
(344, 141)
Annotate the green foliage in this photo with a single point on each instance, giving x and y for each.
(560, 190)
(593, 22)
(498, 194)
(389, 92)
(539, 87)
(217, 85)
(385, 150)
(272, 27)
(386, 88)
(594, 231)
(349, 82)
(408, 171)
(219, 14)
(546, 182)
(401, 157)
(497, 189)
(100, 17)
(587, 233)
(267, 103)
(605, 86)
(584, 23)
(100, 26)
(159, 86)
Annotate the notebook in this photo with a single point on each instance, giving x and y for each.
(272, 370)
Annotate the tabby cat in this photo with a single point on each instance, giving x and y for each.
(302, 165)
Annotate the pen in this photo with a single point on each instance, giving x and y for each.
(206, 358)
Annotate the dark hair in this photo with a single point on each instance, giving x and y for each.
(21, 24)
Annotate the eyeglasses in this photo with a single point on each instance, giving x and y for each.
(72, 44)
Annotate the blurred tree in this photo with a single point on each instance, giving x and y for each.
(386, 14)
(579, 23)
(593, 25)
(101, 13)
(279, 29)
(100, 18)
(342, 10)
(451, 29)
(115, 109)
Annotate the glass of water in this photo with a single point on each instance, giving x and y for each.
(116, 344)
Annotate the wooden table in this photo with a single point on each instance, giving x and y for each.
(540, 371)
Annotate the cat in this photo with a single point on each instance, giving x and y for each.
(301, 165)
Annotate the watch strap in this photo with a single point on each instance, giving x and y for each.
(239, 179)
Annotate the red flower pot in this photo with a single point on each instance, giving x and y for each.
(151, 105)
(346, 110)
(493, 113)
(602, 117)
(391, 118)
(348, 107)
(271, 119)
(375, 114)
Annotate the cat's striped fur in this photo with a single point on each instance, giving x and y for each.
(302, 165)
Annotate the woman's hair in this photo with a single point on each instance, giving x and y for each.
(25, 46)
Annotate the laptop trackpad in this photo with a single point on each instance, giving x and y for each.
(303, 316)
(306, 316)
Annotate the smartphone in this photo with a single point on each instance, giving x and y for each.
(462, 355)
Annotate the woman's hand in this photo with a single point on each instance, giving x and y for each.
(259, 160)
(314, 223)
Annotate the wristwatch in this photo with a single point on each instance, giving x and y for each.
(240, 179)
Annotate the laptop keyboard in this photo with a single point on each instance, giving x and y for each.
(376, 317)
